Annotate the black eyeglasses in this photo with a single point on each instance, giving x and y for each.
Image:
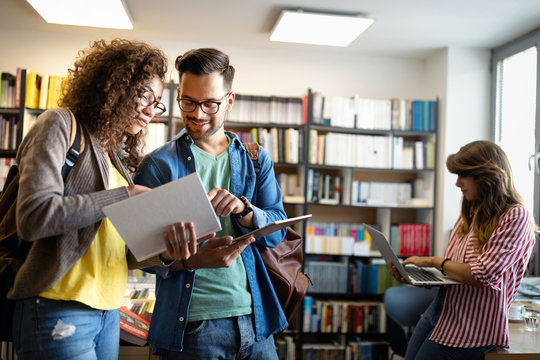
(208, 106)
(148, 98)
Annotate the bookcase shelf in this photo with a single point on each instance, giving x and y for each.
(420, 176)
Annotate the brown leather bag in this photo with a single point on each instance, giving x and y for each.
(284, 262)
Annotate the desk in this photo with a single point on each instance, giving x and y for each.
(524, 345)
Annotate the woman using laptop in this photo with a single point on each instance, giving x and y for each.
(489, 248)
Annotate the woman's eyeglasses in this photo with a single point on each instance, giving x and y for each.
(148, 98)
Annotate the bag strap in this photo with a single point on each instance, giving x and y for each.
(253, 151)
(75, 148)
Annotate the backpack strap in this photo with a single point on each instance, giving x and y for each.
(74, 150)
(253, 151)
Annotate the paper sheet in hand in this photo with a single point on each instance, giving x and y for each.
(273, 226)
(141, 219)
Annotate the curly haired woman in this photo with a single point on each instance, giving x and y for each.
(488, 251)
(71, 285)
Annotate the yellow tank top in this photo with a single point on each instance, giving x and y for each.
(98, 279)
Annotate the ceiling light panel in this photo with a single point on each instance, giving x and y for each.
(318, 29)
(94, 13)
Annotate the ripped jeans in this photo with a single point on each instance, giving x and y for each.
(56, 329)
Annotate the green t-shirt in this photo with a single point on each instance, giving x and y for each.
(222, 292)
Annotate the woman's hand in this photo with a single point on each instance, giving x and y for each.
(395, 273)
(137, 189)
(181, 241)
(424, 261)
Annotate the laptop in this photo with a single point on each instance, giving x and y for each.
(418, 276)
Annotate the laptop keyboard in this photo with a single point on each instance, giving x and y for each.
(421, 275)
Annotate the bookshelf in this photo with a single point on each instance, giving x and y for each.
(361, 161)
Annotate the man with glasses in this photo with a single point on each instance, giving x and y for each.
(229, 309)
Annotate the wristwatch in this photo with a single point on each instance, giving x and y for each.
(246, 210)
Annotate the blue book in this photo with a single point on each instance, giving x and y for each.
(425, 115)
(432, 116)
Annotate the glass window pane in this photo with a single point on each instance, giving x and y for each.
(515, 116)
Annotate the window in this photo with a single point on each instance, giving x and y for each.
(516, 123)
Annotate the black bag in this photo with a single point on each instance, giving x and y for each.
(284, 262)
(13, 251)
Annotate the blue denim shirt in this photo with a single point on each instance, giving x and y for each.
(174, 289)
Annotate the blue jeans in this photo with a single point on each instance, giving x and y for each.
(421, 348)
(54, 329)
(229, 338)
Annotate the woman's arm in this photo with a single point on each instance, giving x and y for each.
(454, 270)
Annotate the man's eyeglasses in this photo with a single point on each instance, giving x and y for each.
(208, 106)
(148, 98)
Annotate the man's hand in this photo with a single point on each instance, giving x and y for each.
(216, 253)
(225, 203)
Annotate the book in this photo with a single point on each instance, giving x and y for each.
(43, 91)
(142, 219)
(33, 83)
(133, 328)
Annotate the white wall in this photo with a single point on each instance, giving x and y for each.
(259, 70)
(436, 75)
(466, 118)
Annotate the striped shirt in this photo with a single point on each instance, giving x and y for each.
(474, 317)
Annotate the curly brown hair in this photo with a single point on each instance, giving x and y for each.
(487, 163)
(103, 87)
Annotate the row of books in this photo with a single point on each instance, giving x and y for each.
(359, 277)
(283, 145)
(352, 112)
(374, 114)
(413, 154)
(8, 132)
(374, 193)
(133, 327)
(411, 239)
(346, 317)
(327, 276)
(292, 187)
(7, 90)
(337, 239)
(267, 109)
(323, 188)
(285, 348)
(370, 151)
(139, 296)
(43, 90)
(371, 277)
(354, 350)
(140, 307)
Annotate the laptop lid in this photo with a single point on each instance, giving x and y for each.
(382, 244)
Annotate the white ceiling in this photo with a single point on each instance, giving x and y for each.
(405, 28)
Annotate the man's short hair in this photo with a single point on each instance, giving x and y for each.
(205, 61)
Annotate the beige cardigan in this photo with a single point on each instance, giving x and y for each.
(60, 219)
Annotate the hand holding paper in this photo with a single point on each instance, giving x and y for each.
(142, 219)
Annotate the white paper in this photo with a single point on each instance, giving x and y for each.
(142, 219)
